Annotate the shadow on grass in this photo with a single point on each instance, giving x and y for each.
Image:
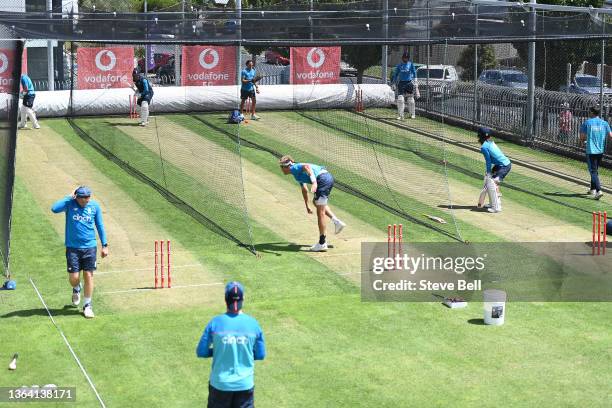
(277, 247)
(65, 311)
(558, 194)
(463, 207)
(477, 322)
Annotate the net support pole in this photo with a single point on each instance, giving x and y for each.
(238, 47)
(50, 70)
(385, 48)
(531, 53)
(475, 104)
(601, 80)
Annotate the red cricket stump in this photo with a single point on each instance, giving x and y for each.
(593, 242)
(598, 232)
(605, 231)
(168, 255)
(389, 241)
(156, 282)
(401, 239)
(162, 262)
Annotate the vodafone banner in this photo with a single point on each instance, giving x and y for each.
(105, 67)
(208, 65)
(315, 65)
(7, 62)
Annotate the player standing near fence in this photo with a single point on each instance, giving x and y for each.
(26, 110)
(144, 92)
(322, 184)
(497, 167)
(82, 217)
(249, 88)
(594, 131)
(404, 80)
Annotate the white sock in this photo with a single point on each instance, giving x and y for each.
(87, 301)
(335, 220)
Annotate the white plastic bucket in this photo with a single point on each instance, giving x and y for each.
(494, 307)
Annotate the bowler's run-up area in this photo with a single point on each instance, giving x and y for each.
(406, 232)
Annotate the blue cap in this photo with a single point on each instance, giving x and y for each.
(82, 191)
(484, 131)
(234, 294)
(9, 285)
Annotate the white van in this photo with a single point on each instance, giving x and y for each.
(438, 73)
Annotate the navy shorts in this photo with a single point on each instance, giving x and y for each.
(81, 259)
(144, 98)
(244, 94)
(325, 183)
(28, 100)
(230, 399)
(405, 87)
(501, 171)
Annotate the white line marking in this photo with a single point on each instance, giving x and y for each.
(173, 287)
(91, 384)
(144, 269)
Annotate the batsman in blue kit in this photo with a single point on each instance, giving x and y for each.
(83, 217)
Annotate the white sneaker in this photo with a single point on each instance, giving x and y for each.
(88, 311)
(318, 247)
(400, 118)
(37, 126)
(493, 210)
(598, 195)
(592, 192)
(22, 127)
(413, 117)
(339, 226)
(143, 123)
(76, 298)
(255, 117)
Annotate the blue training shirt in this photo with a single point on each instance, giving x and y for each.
(237, 341)
(144, 87)
(404, 72)
(596, 131)
(27, 85)
(493, 155)
(297, 170)
(248, 74)
(80, 222)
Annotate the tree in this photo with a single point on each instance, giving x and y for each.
(486, 60)
(255, 50)
(362, 57)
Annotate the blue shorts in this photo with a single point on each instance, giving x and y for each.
(144, 98)
(230, 399)
(501, 171)
(405, 87)
(81, 259)
(244, 94)
(325, 183)
(28, 100)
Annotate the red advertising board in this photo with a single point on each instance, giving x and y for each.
(100, 68)
(208, 65)
(315, 65)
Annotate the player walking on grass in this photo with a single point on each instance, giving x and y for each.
(322, 184)
(82, 215)
(249, 89)
(234, 340)
(404, 79)
(497, 167)
(595, 132)
(26, 109)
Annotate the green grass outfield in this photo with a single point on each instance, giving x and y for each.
(326, 348)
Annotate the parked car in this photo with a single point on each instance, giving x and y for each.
(347, 70)
(445, 73)
(160, 59)
(510, 78)
(440, 76)
(586, 84)
(275, 57)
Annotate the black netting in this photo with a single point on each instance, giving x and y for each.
(10, 55)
